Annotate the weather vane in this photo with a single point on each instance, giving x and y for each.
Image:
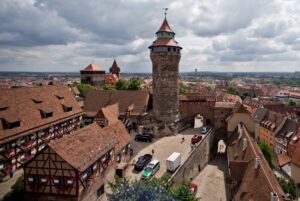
(166, 9)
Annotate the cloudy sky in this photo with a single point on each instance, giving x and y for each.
(216, 35)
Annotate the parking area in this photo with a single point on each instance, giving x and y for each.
(163, 148)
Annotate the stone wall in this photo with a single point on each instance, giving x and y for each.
(197, 160)
(165, 67)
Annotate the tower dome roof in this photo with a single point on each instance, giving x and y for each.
(165, 27)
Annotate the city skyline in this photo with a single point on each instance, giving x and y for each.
(231, 36)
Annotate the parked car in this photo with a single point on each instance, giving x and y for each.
(150, 134)
(196, 138)
(144, 138)
(205, 129)
(151, 169)
(142, 162)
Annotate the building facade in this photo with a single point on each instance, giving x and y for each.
(165, 56)
(75, 168)
(93, 75)
(32, 117)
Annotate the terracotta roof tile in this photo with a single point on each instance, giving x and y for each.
(110, 113)
(165, 42)
(96, 99)
(92, 67)
(165, 27)
(21, 106)
(82, 148)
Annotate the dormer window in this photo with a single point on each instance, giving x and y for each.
(67, 108)
(59, 96)
(10, 125)
(37, 101)
(46, 114)
(2, 108)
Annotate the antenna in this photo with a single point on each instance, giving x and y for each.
(166, 10)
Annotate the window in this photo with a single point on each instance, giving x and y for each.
(169, 49)
(100, 191)
(37, 101)
(67, 108)
(62, 181)
(46, 114)
(59, 96)
(10, 125)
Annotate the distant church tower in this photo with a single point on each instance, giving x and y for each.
(165, 56)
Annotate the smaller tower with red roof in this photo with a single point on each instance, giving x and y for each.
(93, 75)
(115, 69)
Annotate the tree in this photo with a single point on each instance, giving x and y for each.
(109, 87)
(182, 89)
(291, 103)
(183, 192)
(17, 192)
(122, 85)
(84, 88)
(268, 153)
(134, 84)
(232, 90)
(245, 94)
(154, 189)
(288, 186)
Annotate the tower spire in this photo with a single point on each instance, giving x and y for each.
(166, 12)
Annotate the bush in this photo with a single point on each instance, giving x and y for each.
(268, 153)
(17, 193)
(288, 186)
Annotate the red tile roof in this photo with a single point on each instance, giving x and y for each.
(165, 27)
(82, 148)
(26, 104)
(110, 113)
(165, 42)
(283, 159)
(296, 155)
(92, 67)
(246, 187)
(96, 99)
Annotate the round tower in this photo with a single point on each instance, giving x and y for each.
(165, 56)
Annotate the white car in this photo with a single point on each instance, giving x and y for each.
(205, 129)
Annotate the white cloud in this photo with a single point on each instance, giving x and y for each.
(231, 35)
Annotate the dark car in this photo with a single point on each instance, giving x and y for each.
(142, 162)
(144, 138)
(196, 138)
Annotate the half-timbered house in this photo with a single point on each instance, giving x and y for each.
(75, 167)
(32, 117)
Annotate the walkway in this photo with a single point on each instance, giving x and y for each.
(5, 186)
(211, 181)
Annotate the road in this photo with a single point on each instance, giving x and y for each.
(5, 186)
(211, 181)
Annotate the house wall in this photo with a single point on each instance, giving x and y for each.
(295, 173)
(267, 136)
(245, 118)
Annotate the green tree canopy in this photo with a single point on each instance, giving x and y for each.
(288, 186)
(232, 90)
(134, 84)
(151, 190)
(84, 88)
(122, 85)
(268, 153)
(109, 87)
(182, 88)
(291, 103)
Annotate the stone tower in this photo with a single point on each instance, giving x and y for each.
(165, 56)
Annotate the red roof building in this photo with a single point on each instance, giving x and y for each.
(115, 69)
(93, 75)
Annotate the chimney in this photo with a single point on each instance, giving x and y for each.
(257, 163)
(274, 197)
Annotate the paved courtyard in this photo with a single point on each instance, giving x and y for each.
(163, 148)
(211, 181)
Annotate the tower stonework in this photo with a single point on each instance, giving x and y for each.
(165, 56)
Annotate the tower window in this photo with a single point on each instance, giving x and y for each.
(169, 49)
(174, 49)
